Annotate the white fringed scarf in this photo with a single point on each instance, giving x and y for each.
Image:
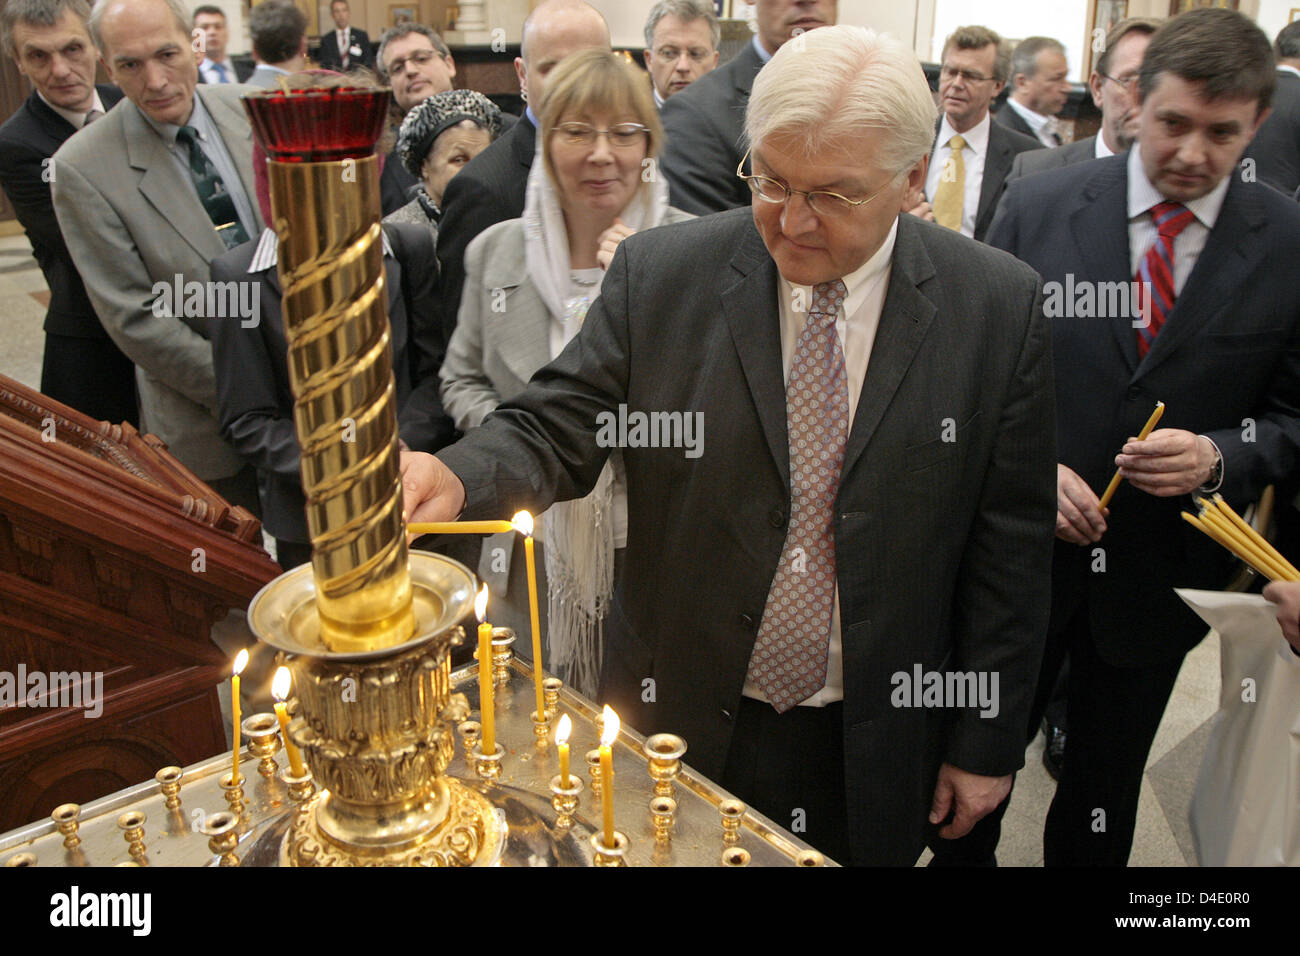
(578, 535)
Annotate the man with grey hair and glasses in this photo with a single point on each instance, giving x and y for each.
(147, 197)
(51, 45)
(815, 594)
(681, 45)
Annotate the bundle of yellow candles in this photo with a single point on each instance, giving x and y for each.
(1220, 522)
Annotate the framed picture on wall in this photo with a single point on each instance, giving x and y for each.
(1295, 15)
(1104, 15)
(399, 15)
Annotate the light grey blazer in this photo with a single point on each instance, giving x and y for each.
(493, 353)
(132, 218)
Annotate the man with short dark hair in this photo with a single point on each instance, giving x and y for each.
(681, 45)
(1178, 271)
(1040, 85)
(703, 124)
(216, 66)
(1276, 147)
(972, 155)
(147, 197)
(1113, 85)
(345, 47)
(279, 31)
(51, 46)
(417, 64)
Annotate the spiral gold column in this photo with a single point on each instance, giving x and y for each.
(345, 403)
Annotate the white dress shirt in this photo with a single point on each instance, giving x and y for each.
(210, 73)
(77, 120)
(973, 155)
(1044, 127)
(1142, 230)
(856, 327)
(1099, 148)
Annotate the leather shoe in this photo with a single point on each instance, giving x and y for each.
(1054, 750)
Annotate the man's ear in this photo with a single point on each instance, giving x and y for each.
(1094, 86)
(451, 64)
(521, 72)
(645, 55)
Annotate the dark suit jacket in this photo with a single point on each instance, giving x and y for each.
(703, 133)
(254, 398)
(1004, 146)
(27, 139)
(331, 57)
(942, 546)
(1276, 147)
(1015, 122)
(243, 69)
(1039, 160)
(490, 189)
(1228, 356)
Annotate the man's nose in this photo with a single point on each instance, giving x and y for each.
(155, 75)
(797, 217)
(1192, 150)
(683, 64)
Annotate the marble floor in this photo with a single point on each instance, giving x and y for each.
(1163, 835)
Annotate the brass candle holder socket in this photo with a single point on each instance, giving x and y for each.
(131, 824)
(735, 856)
(300, 788)
(470, 732)
(234, 792)
(565, 800)
(541, 729)
(66, 818)
(21, 859)
(733, 812)
(615, 855)
(263, 734)
(551, 687)
(169, 785)
(663, 811)
(487, 766)
(222, 831)
(593, 767)
(809, 858)
(503, 640)
(664, 753)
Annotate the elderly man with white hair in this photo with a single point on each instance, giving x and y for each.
(837, 589)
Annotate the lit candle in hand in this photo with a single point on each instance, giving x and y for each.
(523, 523)
(607, 737)
(458, 527)
(280, 687)
(241, 661)
(485, 705)
(562, 731)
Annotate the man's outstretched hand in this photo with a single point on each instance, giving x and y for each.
(430, 492)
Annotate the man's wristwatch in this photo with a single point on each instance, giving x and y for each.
(1216, 471)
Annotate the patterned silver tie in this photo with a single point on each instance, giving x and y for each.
(789, 659)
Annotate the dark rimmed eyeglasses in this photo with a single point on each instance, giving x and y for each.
(1128, 82)
(822, 202)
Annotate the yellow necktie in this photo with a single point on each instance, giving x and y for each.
(951, 194)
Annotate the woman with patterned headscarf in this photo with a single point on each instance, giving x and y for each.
(436, 140)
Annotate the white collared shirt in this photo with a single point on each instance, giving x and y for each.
(1142, 195)
(208, 68)
(1099, 148)
(973, 155)
(267, 253)
(77, 120)
(1288, 68)
(1044, 127)
(856, 327)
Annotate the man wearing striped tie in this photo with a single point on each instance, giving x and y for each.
(1176, 269)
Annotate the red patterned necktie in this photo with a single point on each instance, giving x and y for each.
(788, 662)
(1157, 270)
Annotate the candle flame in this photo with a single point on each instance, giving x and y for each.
(241, 661)
(610, 732)
(480, 604)
(563, 729)
(281, 684)
(523, 523)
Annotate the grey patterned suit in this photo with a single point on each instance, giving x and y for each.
(132, 218)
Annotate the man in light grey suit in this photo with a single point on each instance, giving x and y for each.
(127, 196)
(1114, 89)
(915, 365)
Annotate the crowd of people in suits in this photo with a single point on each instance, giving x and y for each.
(840, 270)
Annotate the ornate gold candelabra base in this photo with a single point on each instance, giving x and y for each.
(376, 730)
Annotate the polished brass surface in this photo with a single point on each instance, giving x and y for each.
(234, 791)
(470, 732)
(735, 856)
(564, 800)
(593, 766)
(262, 731)
(21, 859)
(665, 752)
(733, 812)
(503, 649)
(541, 730)
(522, 791)
(603, 855)
(663, 809)
(345, 402)
(487, 766)
(551, 687)
(222, 831)
(131, 824)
